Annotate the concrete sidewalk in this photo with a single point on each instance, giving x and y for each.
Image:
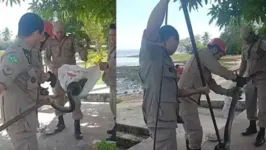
(238, 142)
(97, 119)
(131, 114)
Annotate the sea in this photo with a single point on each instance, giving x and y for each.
(128, 58)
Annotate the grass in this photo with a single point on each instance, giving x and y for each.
(180, 57)
(119, 100)
(103, 145)
(226, 61)
(2, 52)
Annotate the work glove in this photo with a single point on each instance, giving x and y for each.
(241, 81)
(230, 92)
(52, 79)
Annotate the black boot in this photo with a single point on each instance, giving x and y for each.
(187, 145)
(113, 135)
(112, 130)
(61, 124)
(78, 133)
(260, 140)
(252, 129)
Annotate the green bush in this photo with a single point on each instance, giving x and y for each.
(104, 145)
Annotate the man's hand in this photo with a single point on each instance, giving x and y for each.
(241, 81)
(103, 66)
(47, 100)
(230, 92)
(205, 90)
(52, 79)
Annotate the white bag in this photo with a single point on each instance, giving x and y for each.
(73, 73)
(227, 103)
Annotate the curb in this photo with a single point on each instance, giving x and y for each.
(101, 97)
(218, 104)
(129, 136)
(132, 129)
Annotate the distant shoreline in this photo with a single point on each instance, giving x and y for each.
(129, 56)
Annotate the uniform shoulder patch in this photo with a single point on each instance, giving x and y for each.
(13, 59)
(7, 70)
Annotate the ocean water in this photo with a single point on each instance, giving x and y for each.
(127, 58)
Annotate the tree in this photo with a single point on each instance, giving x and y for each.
(232, 39)
(83, 18)
(226, 12)
(6, 34)
(185, 45)
(205, 38)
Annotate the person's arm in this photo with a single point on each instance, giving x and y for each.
(263, 45)
(112, 59)
(212, 64)
(190, 92)
(48, 54)
(243, 66)
(217, 88)
(83, 53)
(156, 18)
(2, 88)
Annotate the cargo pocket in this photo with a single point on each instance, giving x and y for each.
(55, 51)
(169, 83)
(167, 112)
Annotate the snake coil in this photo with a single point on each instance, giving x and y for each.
(73, 89)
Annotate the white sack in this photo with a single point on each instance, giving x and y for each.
(73, 73)
(227, 103)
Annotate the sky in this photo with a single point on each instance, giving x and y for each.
(10, 16)
(132, 18)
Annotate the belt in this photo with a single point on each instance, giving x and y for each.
(257, 73)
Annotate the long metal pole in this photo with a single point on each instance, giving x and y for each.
(190, 30)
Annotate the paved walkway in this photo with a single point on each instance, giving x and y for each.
(131, 114)
(97, 119)
(238, 142)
